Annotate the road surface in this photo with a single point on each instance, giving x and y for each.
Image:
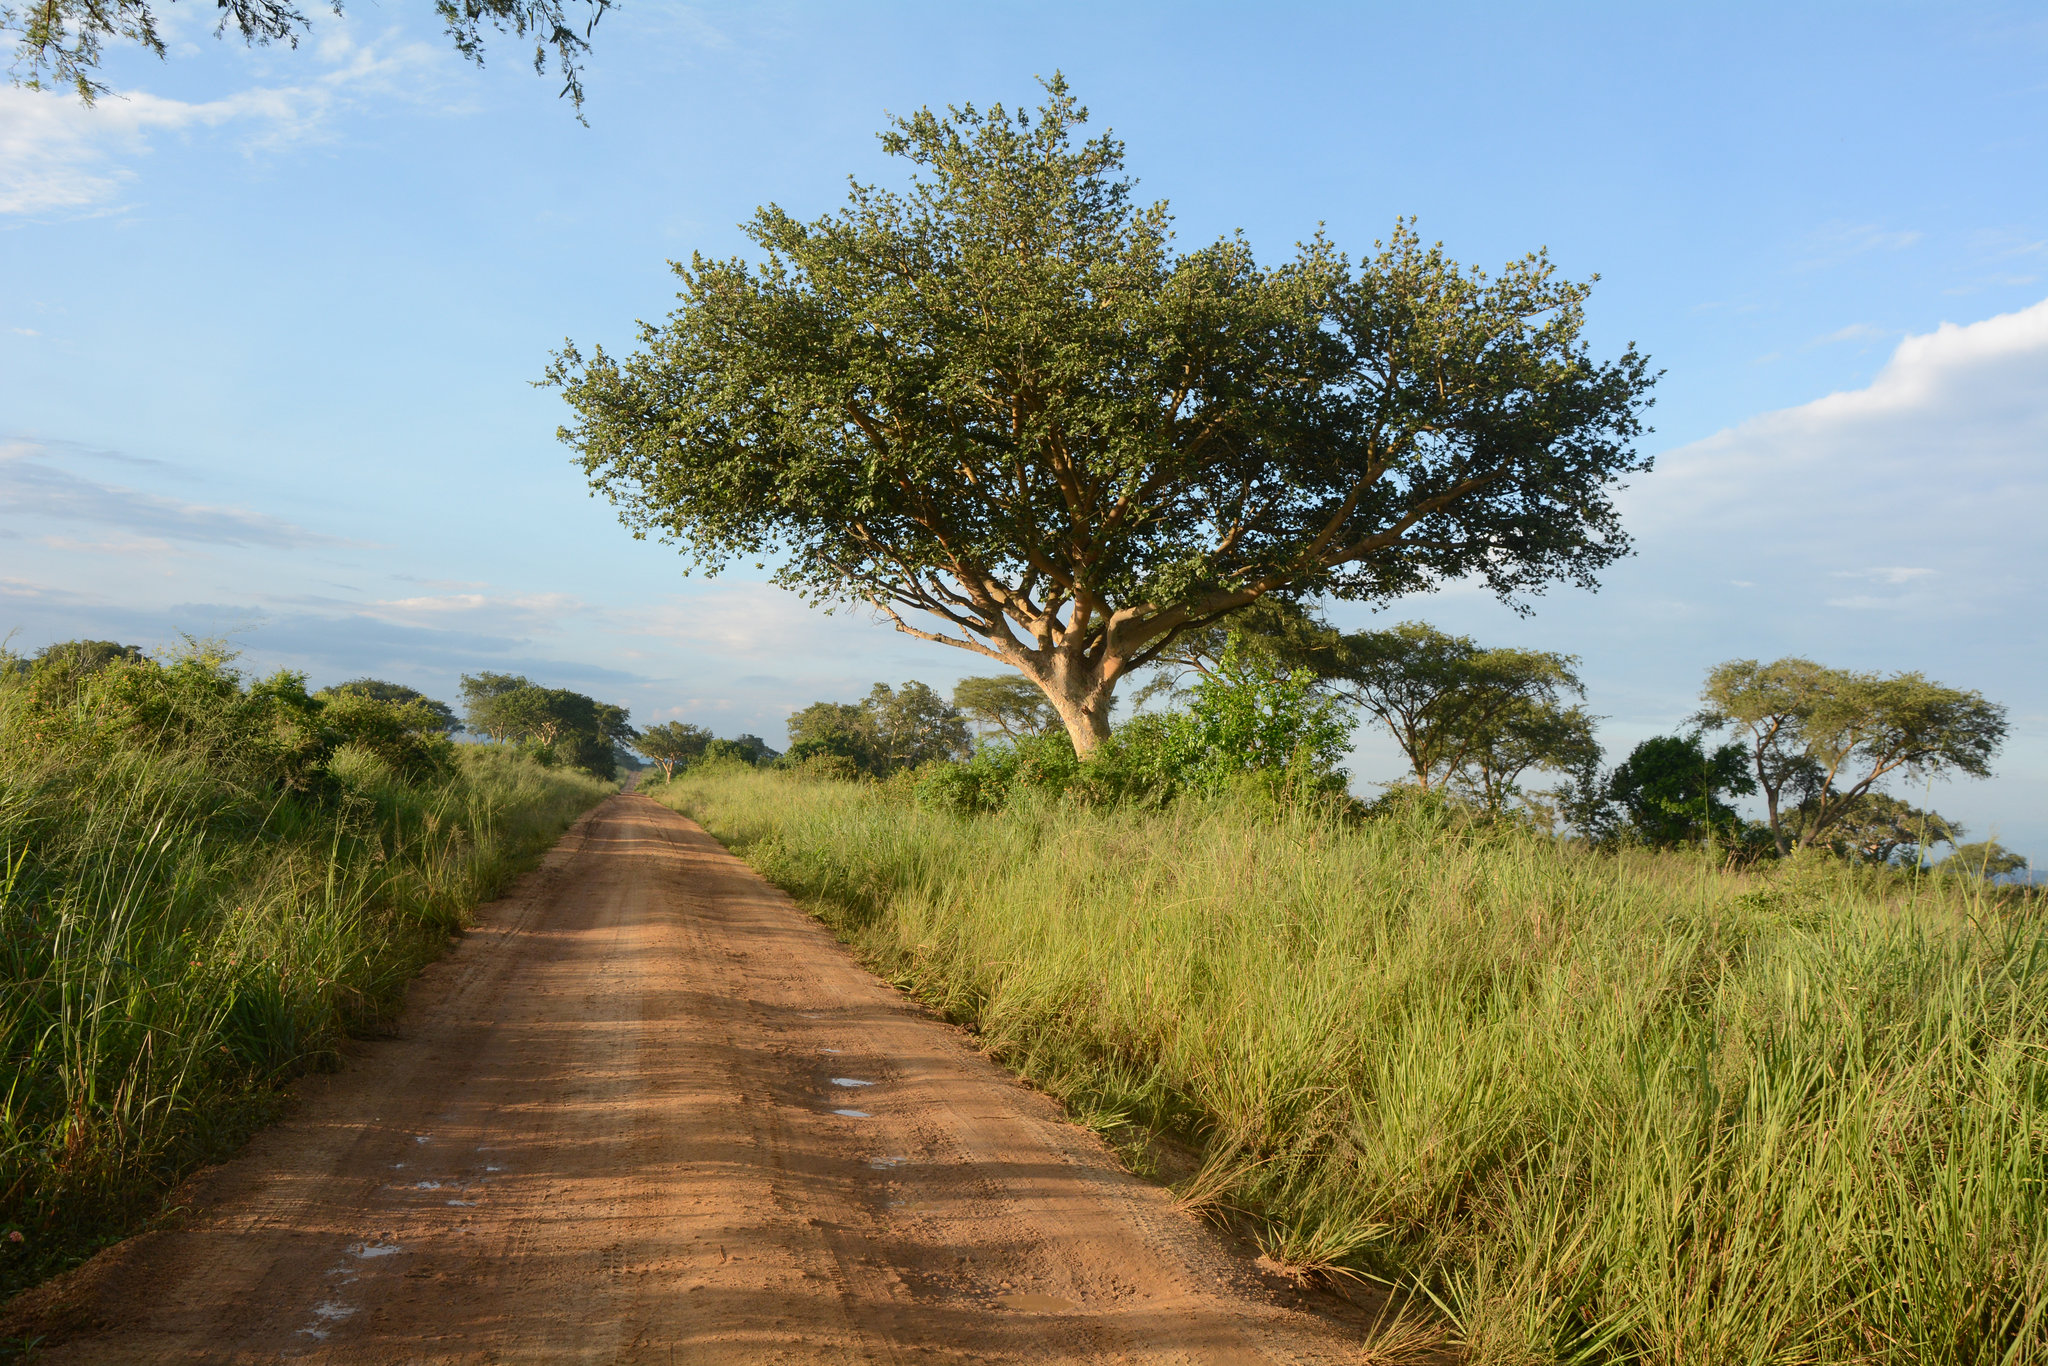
(648, 1111)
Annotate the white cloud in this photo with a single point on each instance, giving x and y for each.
(1935, 470)
(1884, 575)
(501, 611)
(57, 156)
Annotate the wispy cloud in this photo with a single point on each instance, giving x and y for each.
(1886, 575)
(59, 157)
(1833, 243)
(34, 487)
(1854, 332)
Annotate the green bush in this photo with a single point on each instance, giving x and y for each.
(1247, 730)
(205, 885)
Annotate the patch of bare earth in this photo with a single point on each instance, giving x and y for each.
(649, 1112)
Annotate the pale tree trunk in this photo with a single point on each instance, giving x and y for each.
(1081, 690)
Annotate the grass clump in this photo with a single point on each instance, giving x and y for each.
(1598, 1108)
(205, 886)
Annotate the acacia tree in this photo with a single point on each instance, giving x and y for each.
(669, 743)
(1540, 733)
(1456, 707)
(1009, 703)
(1005, 411)
(890, 728)
(580, 729)
(1829, 736)
(1882, 828)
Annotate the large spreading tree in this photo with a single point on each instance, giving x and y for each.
(1004, 409)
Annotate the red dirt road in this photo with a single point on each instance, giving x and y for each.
(650, 1112)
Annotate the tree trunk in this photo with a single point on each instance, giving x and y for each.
(1087, 724)
(1081, 690)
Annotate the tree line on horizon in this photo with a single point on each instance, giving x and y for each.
(1818, 745)
(401, 724)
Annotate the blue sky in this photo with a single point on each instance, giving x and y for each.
(271, 319)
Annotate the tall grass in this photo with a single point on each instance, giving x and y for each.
(1597, 1108)
(177, 937)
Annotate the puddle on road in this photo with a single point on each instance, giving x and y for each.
(332, 1311)
(850, 1081)
(426, 1185)
(368, 1250)
(828, 1050)
(465, 1204)
(854, 1114)
(421, 1138)
(883, 1164)
(1031, 1302)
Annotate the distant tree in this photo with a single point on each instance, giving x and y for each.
(398, 695)
(1530, 733)
(579, 730)
(1008, 703)
(889, 729)
(1004, 404)
(409, 735)
(914, 725)
(1455, 707)
(671, 743)
(843, 730)
(64, 666)
(1829, 736)
(1882, 829)
(61, 40)
(1671, 787)
(746, 749)
(1985, 859)
(83, 657)
(482, 712)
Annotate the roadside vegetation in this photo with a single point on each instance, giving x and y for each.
(207, 883)
(1594, 1105)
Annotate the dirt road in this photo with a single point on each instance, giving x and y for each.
(650, 1112)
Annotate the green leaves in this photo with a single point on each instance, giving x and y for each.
(1829, 736)
(1002, 401)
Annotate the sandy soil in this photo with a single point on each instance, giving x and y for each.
(650, 1112)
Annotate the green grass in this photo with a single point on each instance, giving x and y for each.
(177, 938)
(1596, 1108)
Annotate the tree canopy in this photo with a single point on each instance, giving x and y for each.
(1985, 859)
(1671, 786)
(578, 730)
(1008, 703)
(889, 729)
(1002, 408)
(671, 743)
(1827, 737)
(60, 41)
(442, 715)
